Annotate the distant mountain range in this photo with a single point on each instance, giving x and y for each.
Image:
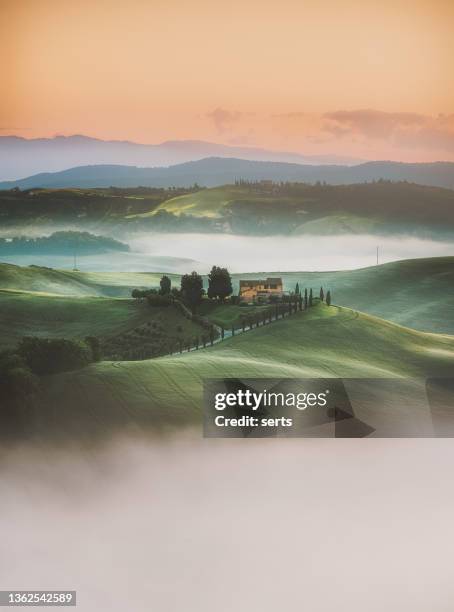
(215, 171)
(23, 157)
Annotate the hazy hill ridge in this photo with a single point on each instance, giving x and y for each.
(22, 157)
(215, 171)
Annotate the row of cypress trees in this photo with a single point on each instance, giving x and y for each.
(309, 299)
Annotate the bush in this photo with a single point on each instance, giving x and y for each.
(158, 300)
(16, 379)
(47, 356)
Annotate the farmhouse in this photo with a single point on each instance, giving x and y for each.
(252, 290)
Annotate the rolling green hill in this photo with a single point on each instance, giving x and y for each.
(418, 293)
(166, 392)
(73, 283)
(122, 325)
(298, 208)
(258, 208)
(54, 316)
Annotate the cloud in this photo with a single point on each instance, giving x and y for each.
(370, 123)
(224, 120)
(408, 130)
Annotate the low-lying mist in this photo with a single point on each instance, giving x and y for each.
(225, 525)
(181, 253)
(288, 253)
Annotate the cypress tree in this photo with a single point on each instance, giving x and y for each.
(328, 298)
(305, 299)
(297, 289)
(322, 294)
(310, 298)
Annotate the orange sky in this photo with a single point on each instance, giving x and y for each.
(364, 78)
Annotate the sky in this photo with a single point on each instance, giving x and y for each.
(369, 79)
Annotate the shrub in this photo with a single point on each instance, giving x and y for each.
(47, 356)
(158, 300)
(16, 379)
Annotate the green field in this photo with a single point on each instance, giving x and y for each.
(204, 203)
(418, 293)
(166, 392)
(259, 208)
(77, 284)
(125, 327)
(264, 209)
(228, 315)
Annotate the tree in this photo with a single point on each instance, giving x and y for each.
(192, 289)
(305, 299)
(165, 285)
(219, 283)
(136, 294)
(297, 289)
(328, 298)
(322, 294)
(49, 355)
(310, 298)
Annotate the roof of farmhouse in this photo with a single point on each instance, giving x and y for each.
(267, 281)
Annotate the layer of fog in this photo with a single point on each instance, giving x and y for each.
(181, 253)
(203, 525)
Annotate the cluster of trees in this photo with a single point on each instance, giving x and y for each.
(191, 290)
(22, 367)
(309, 298)
(61, 243)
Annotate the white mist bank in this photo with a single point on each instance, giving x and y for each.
(225, 525)
(181, 253)
(288, 253)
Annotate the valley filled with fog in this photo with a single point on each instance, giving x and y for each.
(180, 253)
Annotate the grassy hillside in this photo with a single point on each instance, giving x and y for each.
(23, 314)
(301, 208)
(261, 208)
(126, 329)
(323, 342)
(204, 203)
(79, 284)
(418, 293)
